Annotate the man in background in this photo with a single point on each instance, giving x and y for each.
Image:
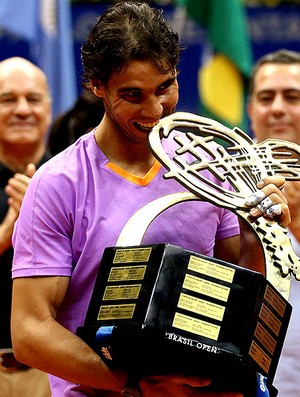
(25, 116)
(274, 112)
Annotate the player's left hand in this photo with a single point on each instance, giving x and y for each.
(269, 201)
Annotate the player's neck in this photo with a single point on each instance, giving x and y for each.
(131, 156)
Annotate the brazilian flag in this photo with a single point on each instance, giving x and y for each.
(227, 59)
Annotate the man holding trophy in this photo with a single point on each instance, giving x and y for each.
(79, 202)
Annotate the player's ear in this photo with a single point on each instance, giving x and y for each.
(97, 88)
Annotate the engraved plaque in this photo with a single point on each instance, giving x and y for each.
(147, 312)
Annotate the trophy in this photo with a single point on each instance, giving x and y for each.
(160, 308)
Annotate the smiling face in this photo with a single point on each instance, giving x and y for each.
(25, 105)
(274, 107)
(136, 99)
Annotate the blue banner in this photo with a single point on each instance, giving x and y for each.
(47, 26)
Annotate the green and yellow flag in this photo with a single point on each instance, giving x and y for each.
(227, 64)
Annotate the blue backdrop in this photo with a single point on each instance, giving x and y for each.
(271, 28)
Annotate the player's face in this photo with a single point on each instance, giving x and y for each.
(137, 98)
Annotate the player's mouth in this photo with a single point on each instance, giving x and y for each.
(146, 126)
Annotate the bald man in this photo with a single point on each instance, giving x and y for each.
(25, 116)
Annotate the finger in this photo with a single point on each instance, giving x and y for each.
(30, 170)
(284, 219)
(271, 207)
(278, 212)
(15, 191)
(15, 196)
(265, 204)
(271, 191)
(19, 183)
(255, 198)
(14, 204)
(22, 179)
(274, 210)
(278, 181)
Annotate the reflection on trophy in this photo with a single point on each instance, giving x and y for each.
(160, 308)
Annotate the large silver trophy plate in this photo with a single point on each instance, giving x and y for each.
(202, 144)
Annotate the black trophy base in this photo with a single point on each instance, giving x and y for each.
(149, 352)
(161, 309)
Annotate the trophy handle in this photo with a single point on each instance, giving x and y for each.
(280, 258)
(135, 228)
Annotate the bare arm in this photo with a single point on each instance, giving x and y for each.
(292, 193)
(40, 341)
(6, 229)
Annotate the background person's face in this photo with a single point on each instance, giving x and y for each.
(25, 107)
(274, 108)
